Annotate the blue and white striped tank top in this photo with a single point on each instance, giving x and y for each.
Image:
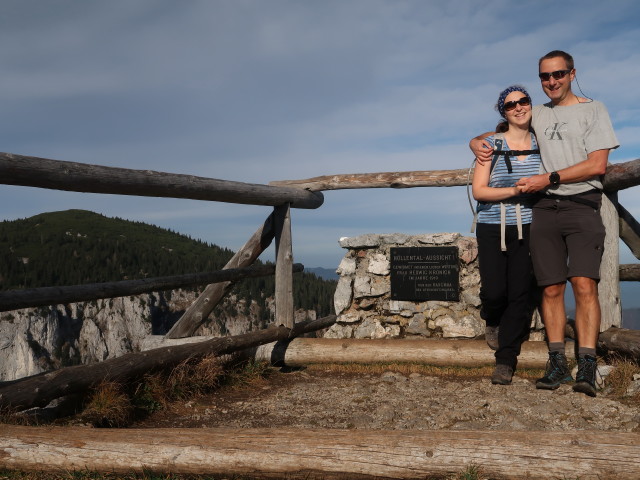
(489, 212)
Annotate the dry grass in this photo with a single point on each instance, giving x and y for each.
(251, 373)
(12, 417)
(620, 379)
(429, 370)
(191, 379)
(108, 406)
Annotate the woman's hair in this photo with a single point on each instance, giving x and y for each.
(503, 126)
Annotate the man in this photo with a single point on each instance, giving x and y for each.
(567, 235)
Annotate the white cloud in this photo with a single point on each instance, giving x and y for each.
(258, 91)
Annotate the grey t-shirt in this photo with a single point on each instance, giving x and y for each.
(566, 135)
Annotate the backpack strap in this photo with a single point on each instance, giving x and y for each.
(497, 150)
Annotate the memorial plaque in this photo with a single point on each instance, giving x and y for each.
(425, 273)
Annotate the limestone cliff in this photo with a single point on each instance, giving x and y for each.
(35, 340)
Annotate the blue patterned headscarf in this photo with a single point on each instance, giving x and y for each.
(507, 91)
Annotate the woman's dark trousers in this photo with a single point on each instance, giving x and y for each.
(506, 287)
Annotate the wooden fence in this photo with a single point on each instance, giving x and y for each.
(281, 195)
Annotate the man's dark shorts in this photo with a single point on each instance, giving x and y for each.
(567, 239)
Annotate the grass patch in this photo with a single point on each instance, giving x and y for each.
(422, 369)
(190, 379)
(619, 380)
(108, 406)
(250, 373)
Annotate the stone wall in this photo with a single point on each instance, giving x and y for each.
(363, 295)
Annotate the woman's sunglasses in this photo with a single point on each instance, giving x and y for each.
(524, 101)
(557, 75)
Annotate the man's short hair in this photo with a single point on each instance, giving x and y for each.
(558, 53)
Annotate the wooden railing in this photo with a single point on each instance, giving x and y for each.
(39, 390)
(78, 177)
(282, 195)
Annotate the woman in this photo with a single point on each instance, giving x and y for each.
(504, 218)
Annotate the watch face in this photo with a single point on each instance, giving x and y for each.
(554, 178)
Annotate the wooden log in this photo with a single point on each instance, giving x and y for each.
(609, 284)
(36, 297)
(298, 453)
(621, 340)
(439, 352)
(80, 177)
(200, 309)
(629, 230)
(432, 178)
(622, 175)
(630, 272)
(284, 260)
(618, 177)
(39, 390)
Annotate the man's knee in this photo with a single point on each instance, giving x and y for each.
(553, 292)
(584, 287)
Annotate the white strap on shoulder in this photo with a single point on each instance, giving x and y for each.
(503, 227)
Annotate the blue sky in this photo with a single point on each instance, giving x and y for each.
(261, 90)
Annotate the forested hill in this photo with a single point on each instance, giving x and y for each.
(77, 246)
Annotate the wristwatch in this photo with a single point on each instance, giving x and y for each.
(554, 178)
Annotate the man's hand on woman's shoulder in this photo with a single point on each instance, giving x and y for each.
(481, 148)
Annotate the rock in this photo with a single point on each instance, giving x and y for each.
(342, 296)
(379, 264)
(393, 377)
(601, 375)
(369, 240)
(467, 327)
(339, 331)
(471, 297)
(418, 326)
(468, 249)
(351, 317)
(437, 238)
(347, 266)
(372, 328)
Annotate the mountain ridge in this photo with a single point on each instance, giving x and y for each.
(74, 247)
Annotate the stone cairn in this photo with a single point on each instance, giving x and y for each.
(363, 296)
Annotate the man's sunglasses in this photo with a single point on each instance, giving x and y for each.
(524, 101)
(557, 75)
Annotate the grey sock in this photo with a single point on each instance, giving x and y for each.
(556, 347)
(582, 351)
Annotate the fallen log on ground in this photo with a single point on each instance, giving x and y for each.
(439, 352)
(621, 340)
(39, 390)
(323, 453)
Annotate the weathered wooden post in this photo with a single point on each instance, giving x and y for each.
(284, 261)
(609, 285)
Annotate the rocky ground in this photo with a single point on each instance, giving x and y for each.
(322, 397)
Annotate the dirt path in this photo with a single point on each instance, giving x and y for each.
(320, 398)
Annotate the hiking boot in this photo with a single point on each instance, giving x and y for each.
(586, 376)
(491, 336)
(556, 373)
(502, 375)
